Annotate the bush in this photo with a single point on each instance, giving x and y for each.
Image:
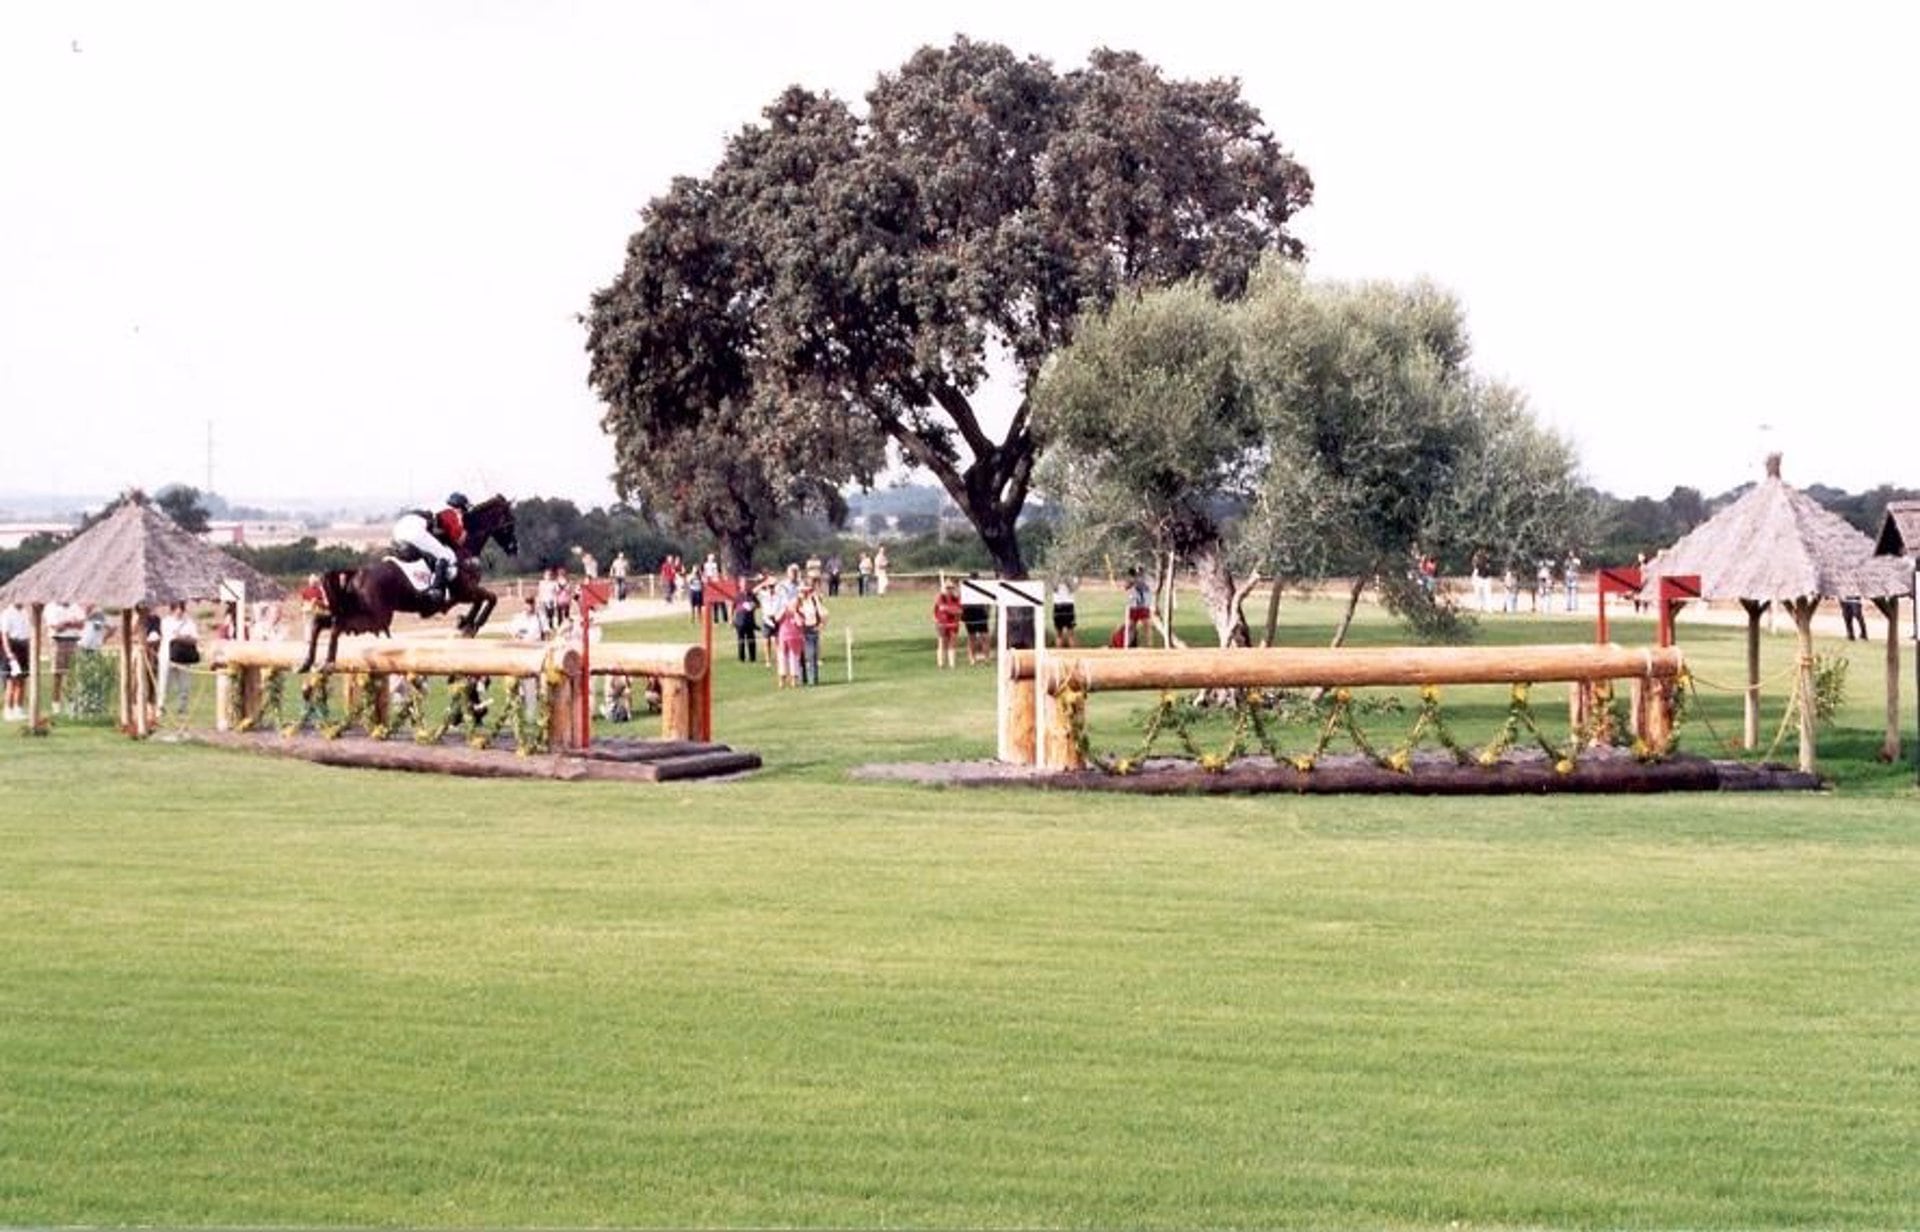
(91, 685)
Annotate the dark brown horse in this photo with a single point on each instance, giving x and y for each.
(364, 600)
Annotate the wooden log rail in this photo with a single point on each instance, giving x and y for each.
(681, 671)
(1048, 740)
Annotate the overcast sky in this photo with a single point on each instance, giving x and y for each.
(350, 240)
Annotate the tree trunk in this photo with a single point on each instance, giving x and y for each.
(1346, 617)
(1222, 597)
(1273, 615)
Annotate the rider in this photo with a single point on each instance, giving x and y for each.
(436, 537)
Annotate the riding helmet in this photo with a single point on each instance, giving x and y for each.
(457, 500)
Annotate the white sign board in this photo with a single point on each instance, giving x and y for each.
(1031, 595)
(1004, 594)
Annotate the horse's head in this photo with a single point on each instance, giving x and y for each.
(492, 519)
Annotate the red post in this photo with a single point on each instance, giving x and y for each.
(1622, 580)
(1674, 593)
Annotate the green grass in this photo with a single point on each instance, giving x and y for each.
(235, 990)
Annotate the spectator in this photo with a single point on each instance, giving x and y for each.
(880, 570)
(746, 624)
(866, 573)
(1139, 620)
(93, 632)
(1064, 618)
(526, 626)
(618, 571)
(1852, 614)
(833, 576)
(546, 595)
(313, 601)
(812, 615)
(976, 617)
(180, 638)
(946, 623)
(16, 645)
(64, 623)
(792, 642)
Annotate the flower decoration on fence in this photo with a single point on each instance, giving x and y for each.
(1338, 721)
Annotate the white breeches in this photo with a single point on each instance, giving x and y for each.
(412, 531)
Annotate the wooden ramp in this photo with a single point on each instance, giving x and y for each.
(634, 761)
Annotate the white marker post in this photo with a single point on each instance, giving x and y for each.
(1004, 596)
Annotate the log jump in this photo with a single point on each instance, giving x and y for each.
(1046, 691)
(242, 667)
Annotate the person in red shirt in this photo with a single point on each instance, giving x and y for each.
(946, 623)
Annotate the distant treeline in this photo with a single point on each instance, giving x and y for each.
(555, 531)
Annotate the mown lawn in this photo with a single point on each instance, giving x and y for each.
(235, 990)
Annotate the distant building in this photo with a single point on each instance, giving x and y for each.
(13, 534)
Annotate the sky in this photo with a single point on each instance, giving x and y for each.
(338, 251)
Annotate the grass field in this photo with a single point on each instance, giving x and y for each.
(236, 990)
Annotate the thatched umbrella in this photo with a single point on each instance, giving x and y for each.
(134, 557)
(1778, 545)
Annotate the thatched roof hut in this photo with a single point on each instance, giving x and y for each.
(1899, 530)
(134, 557)
(1775, 544)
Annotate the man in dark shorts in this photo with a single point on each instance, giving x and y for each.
(975, 618)
(1064, 618)
(16, 656)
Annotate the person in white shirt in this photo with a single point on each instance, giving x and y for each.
(526, 626)
(16, 657)
(180, 646)
(63, 623)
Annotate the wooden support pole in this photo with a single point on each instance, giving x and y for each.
(224, 687)
(253, 693)
(1067, 711)
(1803, 621)
(1022, 721)
(676, 708)
(1890, 744)
(1750, 707)
(126, 670)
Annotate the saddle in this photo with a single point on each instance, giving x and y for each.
(418, 572)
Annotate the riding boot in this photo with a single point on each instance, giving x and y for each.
(440, 590)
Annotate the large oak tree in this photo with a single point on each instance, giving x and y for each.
(856, 274)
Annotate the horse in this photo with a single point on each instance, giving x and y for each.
(364, 600)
